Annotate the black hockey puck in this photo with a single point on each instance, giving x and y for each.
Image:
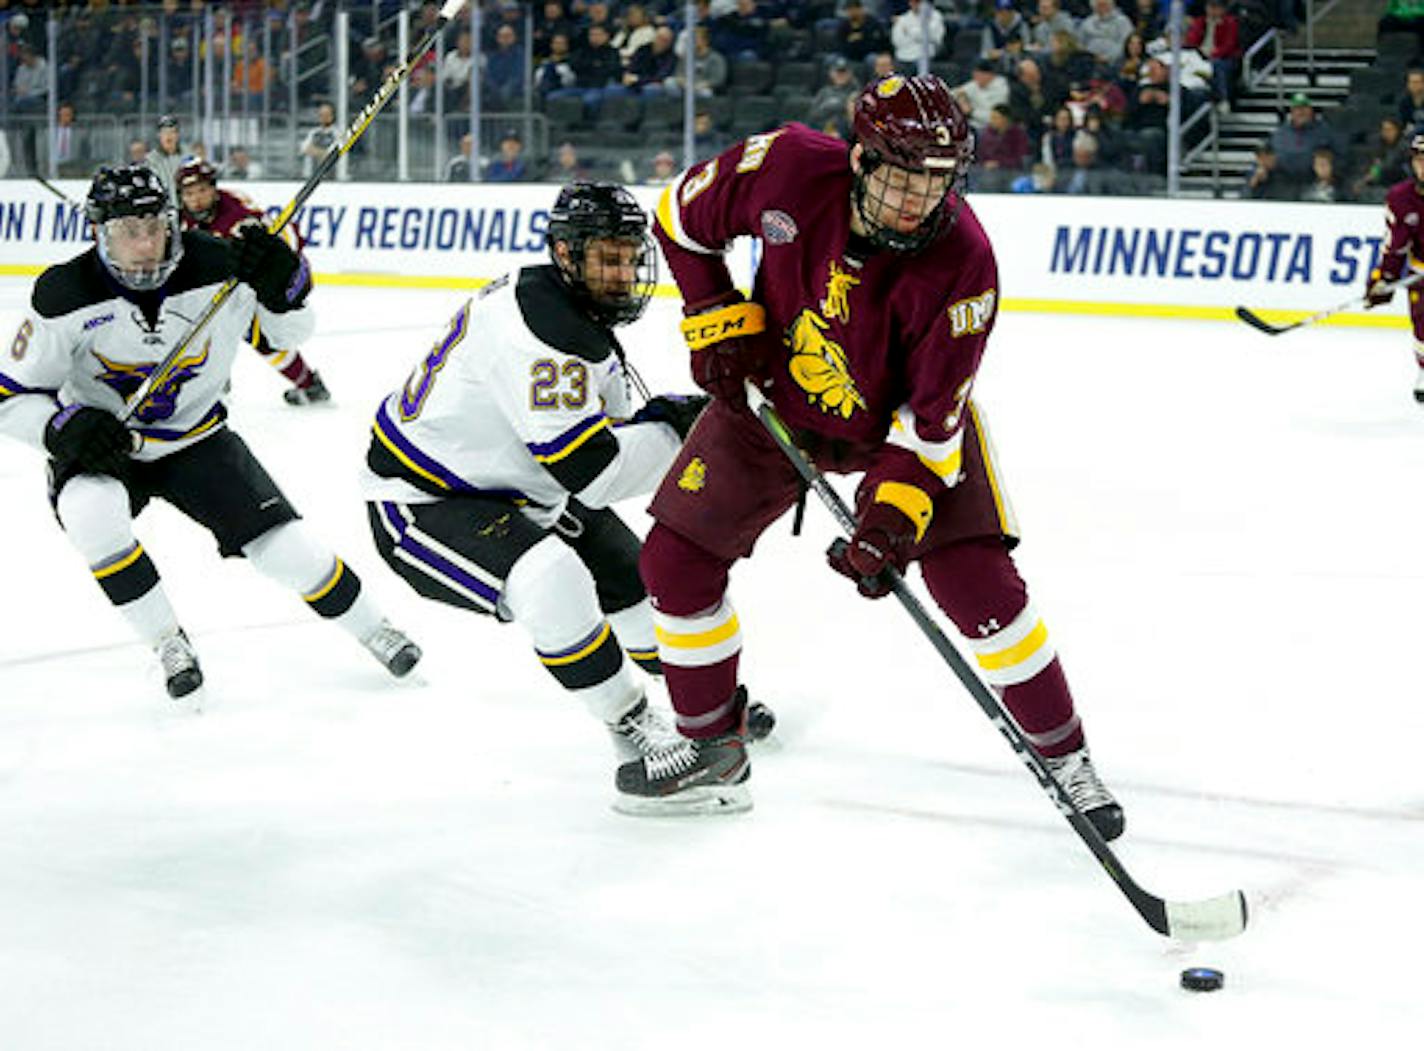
(1202, 979)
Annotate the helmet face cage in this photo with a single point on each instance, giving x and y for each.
(197, 172)
(611, 265)
(913, 137)
(117, 197)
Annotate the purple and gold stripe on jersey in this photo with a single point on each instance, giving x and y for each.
(9, 388)
(419, 549)
(212, 419)
(568, 442)
(413, 459)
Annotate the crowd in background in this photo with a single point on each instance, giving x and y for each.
(1066, 96)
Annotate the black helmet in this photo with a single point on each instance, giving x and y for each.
(602, 211)
(129, 192)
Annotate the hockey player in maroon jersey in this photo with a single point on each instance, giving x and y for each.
(1404, 246)
(875, 297)
(221, 213)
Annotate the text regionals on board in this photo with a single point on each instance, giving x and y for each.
(1135, 251)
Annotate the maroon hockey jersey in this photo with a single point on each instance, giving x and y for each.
(873, 349)
(232, 211)
(1403, 213)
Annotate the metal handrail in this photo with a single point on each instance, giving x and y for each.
(1205, 112)
(1274, 69)
(1313, 15)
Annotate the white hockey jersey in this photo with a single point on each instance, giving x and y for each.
(523, 399)
(82, 342)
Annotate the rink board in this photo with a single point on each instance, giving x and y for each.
(1133, 257)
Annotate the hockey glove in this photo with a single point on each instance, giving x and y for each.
(1379, 293)
(88, 440)
(881, 541)
(723, 336)
(265, 262)
(678, 411)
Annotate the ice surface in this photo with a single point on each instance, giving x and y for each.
(1221, 531)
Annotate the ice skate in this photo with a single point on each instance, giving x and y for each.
(393, 648)
(1075, 773)
(642, 732)
(314, 393)
(182, 676)
(693, 777)
(1419, 388)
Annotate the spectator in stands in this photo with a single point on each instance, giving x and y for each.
(594, 14)
(1411, 106)
(984, 90)
(455, 68)
(907, 34)
(555, 75)
(250, 73)
(1056, 150)
(320, 138)
(81, 48)
(30, 86)
(180, 70)
(707, 141)
(241, 166)
(1325, 186)
(1030, 100)
(709, 68)
(1216, 34)
(1086, 177)
(860, 34)
(828, 104)
(654, 64)
(1382, 162)
(1001, 151)
(1066, 62)
(509, 165)
(168, 156)
(422, 90)
(550, 22)
(1112, 149)
(1038, 180)
(18, 31)
(1264, 182)
(598, 69)
(882, 65)
(1104, 32)
(1100, 94)
(634, 34)
(741, 34)
(1149, 19)
(71, 145)
(368, 68)
(1051, 18)
(138, 151)
(568, 166)
(504, 70)
(457, 168)
(664, 169)
(1133, 65)
(1296, 141)
(1148, 108)
(511, 13)
(1004, 39)
(1195, 78)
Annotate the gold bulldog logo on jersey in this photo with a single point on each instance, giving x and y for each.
(694, 476)
(819, 366)
(836, 305)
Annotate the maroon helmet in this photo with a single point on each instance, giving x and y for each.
(192, 172)
(912, 123)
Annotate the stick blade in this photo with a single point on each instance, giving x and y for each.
(1260, 324)
(1214, 919)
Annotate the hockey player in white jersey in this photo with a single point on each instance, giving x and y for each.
(96, 328)
(490, 473)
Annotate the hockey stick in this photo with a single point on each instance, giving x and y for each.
(1259, 323)
(334, 153)
(1208, 920)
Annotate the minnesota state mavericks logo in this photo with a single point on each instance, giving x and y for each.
(818, 365)
(162, 401)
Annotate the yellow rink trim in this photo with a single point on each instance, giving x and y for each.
(1015, 306)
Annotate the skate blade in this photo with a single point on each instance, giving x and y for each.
(692, 802)
(194, 703)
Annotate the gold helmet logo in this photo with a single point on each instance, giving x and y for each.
(889, 86)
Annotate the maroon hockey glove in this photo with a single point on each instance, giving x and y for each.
(725, 338)
(88, 440)
(882, 541)
(1379, 292)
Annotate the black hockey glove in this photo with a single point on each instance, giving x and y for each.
(88, 440)
(277, 274)
(678, 411)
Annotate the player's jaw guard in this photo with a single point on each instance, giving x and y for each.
(132, 191)
(586, 212)
(913, 124)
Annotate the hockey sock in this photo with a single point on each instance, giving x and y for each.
(699, 637)
(634, 628)
(979, 588)
(550, 593)
(292, 557)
